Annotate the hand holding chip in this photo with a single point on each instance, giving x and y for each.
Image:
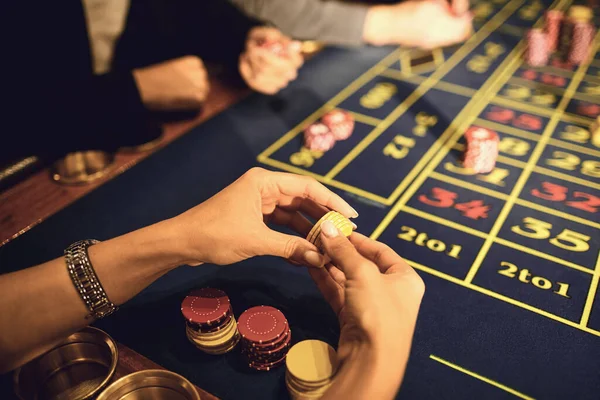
(376, 295)
(232, 225)
(420, 23)
(271, 60)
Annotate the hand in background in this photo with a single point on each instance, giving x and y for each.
(179, 84)
(262, 69)
(419, 23)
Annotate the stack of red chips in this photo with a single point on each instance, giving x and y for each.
(340, 123)
(335, 125)
(553, 19)
(210, 324)
(266, 337)
(481, 149)
(581, 40)
(537, 53)
(318, 137)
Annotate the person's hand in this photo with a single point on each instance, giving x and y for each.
(232, 225)
(179, 84)
(376, 296)
(265, 71)
(419, 23)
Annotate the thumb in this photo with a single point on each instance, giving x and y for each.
(343, 254)
(292, 248)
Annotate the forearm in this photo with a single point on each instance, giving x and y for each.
(329, 21)
(368, 373)
(40, 306)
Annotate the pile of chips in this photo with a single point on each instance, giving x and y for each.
(552, 19)
(210, 324)
(537, 48)
(322, 135)
(481, 149)
(266, 337)
(310, 367)
(571, 36)
(338, 220)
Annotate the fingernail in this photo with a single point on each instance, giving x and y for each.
(313, 258)
(354, 225)
(329, 229)
(354, 213)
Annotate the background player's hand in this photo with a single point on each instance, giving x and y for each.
(375, 293)
(265, 71)
(178, 84)
(232, 225)
(420, 23)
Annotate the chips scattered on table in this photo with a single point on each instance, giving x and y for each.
(310, 368)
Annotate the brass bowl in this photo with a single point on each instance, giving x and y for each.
(82, 167)
(151, 384)
(76, 369)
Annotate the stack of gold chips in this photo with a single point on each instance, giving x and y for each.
(338, 220)
(210, 324)
(310, 367)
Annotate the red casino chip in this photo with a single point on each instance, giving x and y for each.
(583, 34)
(537, 53)
(262, 324)
(481, 149)
(318, 137)
(206, 306)
(267, 366)
(340, 123)
(553, 20)
(278, 345)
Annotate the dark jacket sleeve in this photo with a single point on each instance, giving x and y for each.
(158, 30)
(56, 102)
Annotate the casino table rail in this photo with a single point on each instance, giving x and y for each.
(29, 202)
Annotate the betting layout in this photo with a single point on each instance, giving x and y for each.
(526, 233)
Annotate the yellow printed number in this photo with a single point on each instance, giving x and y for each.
(534, 228)
(570, 162)
(478, 64)
(305, 157)
(543, 98)
(405, 143)
(575, 134)
(378, 95)
(567, 239)
(496, 177)
(514, 146)
(570, 240)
